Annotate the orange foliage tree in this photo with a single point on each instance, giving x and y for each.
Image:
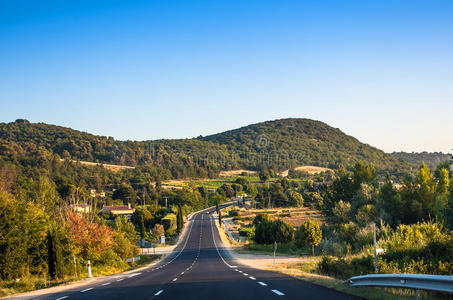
(91, 239)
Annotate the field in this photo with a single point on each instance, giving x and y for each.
(215, 183)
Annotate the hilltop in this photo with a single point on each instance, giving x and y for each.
(288, 143)
(277, 145)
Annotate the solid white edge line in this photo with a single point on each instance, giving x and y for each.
(215, 244)
(278, 292)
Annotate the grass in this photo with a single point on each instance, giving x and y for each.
(28, 284)
(306, 271)
(282, 249)
(217, 182)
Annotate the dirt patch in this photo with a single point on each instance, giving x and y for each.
(114, 168)
(235, 172)
(308, 169)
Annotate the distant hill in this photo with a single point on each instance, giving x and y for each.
(431, 159)
(277, 145)
(304, 142)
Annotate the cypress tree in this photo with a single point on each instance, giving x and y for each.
(142, 227)
(219, 213)
(51, 256)
(55, 253)
(179, 219)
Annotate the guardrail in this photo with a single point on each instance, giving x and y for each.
(438, 283)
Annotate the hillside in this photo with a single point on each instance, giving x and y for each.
(288, 143)
(277, 145)
(431, 159)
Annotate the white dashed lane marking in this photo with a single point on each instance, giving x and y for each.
(61, 298)
(278, 292)
(252, 278)
(86, 290)
(107, 283)
(262, 283)
(158, 293)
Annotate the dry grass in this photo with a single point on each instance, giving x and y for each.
(114, 168)
(235, 172)
(308, 169)
(294, 216)
(305, 271)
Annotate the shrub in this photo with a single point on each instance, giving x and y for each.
(169, 222)
(344, 269)
(249, 233)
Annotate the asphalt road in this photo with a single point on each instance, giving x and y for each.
(199, 269)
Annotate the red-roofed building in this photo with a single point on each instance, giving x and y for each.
(118, 210)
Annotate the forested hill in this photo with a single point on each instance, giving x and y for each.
(431, 159)
(307, 142)
(276, 145)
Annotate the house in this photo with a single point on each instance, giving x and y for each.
(118, 210)
(81, 208)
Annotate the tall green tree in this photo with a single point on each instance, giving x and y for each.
(179, 219)
(309, 234)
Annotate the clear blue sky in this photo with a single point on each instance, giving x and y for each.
(381, 71)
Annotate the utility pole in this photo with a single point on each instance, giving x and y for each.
(275, 250)
(375, 251)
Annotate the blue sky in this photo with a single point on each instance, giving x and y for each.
(381, 71)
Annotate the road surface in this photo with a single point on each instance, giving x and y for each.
(198, 268)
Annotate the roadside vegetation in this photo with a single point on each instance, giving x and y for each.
(327, 215)
(413, 219)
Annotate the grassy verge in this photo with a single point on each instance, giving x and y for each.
(282, 249)
(306, 271)
(22, 285)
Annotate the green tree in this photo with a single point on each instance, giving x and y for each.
(229, 191)
(264, 175)
(23, 238)
(179, 219)
(125, 193)
(309, 234)
(341, 212)
(58, 252)
(295, 199)
(283, 232)
(260, 218)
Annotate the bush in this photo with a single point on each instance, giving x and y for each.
(344, 269)
(249, 233)
(268, 232)
(169, 222)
